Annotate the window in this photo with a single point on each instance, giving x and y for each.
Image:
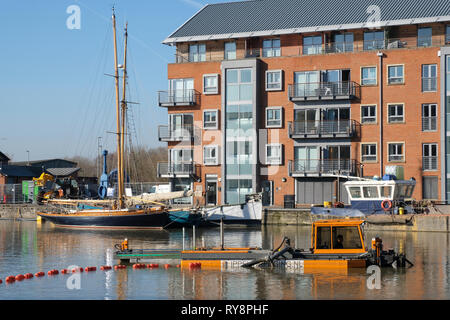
(271, 48)
(312, 45)
(429, 117)
(368, 76)
(395, 113)
(343, 43)
(230, 50)
(274, 80)
(430, 159)
(429, 77)
(210, 156)
(181, 90)
(355, 192)
(346, 238)
(396, 152)
(424, 37)
(447, 34)
(211, 84)
(273, 154)
(210, 119)
(373, 40)
(370, 192)
(273, 117)
(368, 114)
(395, 74)
(368, 152)
(197, 52)
(323, 238)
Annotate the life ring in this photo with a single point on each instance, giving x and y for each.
(389, 203)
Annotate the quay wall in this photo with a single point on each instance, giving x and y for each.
(18, 211)
(416, 222)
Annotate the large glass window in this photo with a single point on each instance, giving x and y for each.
(239, 134)
(312, 45)
(230, 50)
(323, 238)
(373, 40)
(271, 48)
(424, 37)
(343, 42)
(197, 52)
(447, 34)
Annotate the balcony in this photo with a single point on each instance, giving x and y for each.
(322, 129)
(322, 167)
(172, 170)
(167, 134)
(174, 98)
(343, 90)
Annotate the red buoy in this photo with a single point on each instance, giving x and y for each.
(167, 266)
(28, 275)
(39, 274)
(64, 271)
(20, 277)
(10, 279)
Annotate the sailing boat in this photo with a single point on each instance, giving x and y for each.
(123, 212)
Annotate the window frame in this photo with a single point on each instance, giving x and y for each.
(435, 78)
(280, 125)
(216, 126)
(274, 161)
(216, 158)
(430, 117)
(280, 86)
(389, 116)
(370, 117)
(315, 46)
(419, 44)
(389, 151)
(397, 77)
(435, 156)
(272, 49)
(198, 53)
(376, 76)
(211, 75)
(225, 51)
(376, 152)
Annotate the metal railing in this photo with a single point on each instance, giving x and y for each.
(178, 98)
(166, 169)
(325, 90)
(322, 166)
(430, 163)
(168, 133)
(429, 123)
(327, 48)
(323, 127)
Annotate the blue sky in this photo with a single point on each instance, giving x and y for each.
(55, 99)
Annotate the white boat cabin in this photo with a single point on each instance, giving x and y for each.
(373, 190)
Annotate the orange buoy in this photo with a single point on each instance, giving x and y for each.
(178, 266)
(167, 266)
(28, 275)
(64, 271)
(10, 279)
(39, 274)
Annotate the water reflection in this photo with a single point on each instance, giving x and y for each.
(28, 247)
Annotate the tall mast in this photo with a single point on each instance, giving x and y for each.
(124, 108)
(119, 147)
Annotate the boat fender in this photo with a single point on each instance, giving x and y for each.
(389, 204)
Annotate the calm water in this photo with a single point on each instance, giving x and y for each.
(26, 247)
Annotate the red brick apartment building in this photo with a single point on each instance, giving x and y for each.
(292, 97)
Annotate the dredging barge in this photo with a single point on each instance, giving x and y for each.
(335, 244)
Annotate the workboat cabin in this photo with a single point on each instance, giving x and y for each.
(372, 197)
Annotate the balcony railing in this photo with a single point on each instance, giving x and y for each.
(326, 48)
(322, 128)
(324, 91)
(302, 167)
(429, 123)
(430, 163)
(170, 169)
(173, 98)
(167, 133)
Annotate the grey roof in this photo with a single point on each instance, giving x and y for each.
(62, 172)
(52, 163)
(265, 17)
(4, 157)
